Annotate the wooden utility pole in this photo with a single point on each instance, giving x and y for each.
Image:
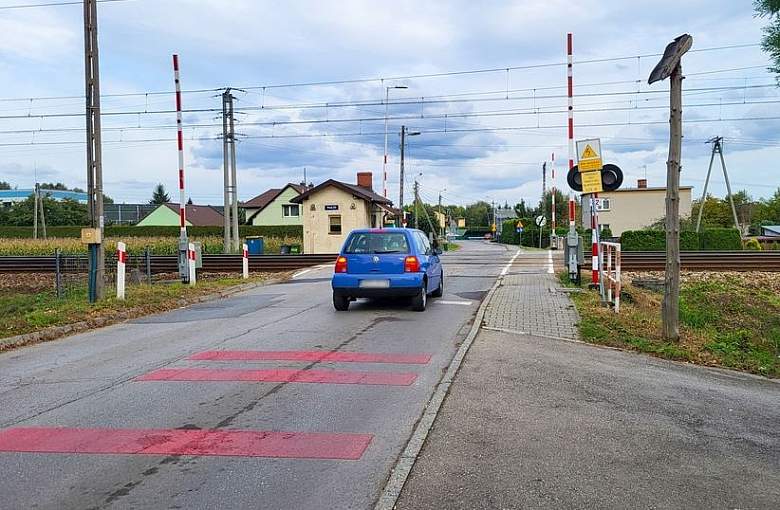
(671, 302)
(94, 151)
(670, 66)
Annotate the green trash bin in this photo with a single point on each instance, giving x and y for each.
(295, 249)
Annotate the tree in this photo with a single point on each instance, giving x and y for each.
(4, 185)
(159, 196)
(561, 207)
(771, 41)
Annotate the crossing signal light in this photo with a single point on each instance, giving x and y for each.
(611, 178)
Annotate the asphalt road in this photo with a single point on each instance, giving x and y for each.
(83, 390)
(535, 422)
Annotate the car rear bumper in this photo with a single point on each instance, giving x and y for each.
(405, 284)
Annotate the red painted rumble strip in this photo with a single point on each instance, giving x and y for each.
(280, 375)
(241, 443)
(339, 357)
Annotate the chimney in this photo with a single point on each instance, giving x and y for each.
(641, 183)
(365, 180)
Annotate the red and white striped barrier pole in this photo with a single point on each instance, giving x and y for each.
(594, 225)
(245, 260)
(553, 192)
(121, 262)
(570, 90)
(191, 263)
(183, 244)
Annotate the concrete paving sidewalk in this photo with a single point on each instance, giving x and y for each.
(537, 422)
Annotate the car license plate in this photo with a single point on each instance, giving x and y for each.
(374, 284)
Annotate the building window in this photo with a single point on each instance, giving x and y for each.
(291, 210)
(603, 204)
(605, 226)
(334, 225)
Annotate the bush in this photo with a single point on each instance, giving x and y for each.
(720, 239)
(477, 231)
(133, 231)
(753, 245)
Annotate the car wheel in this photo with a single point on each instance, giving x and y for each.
(440, 289)
(340, 301)
(420, 300)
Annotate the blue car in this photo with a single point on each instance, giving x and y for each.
(387, 262)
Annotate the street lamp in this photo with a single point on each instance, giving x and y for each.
(384, 161)
(404, 133)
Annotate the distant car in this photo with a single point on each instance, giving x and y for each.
(387, 262)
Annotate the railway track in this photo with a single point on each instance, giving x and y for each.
(630, 261)
(164, 263)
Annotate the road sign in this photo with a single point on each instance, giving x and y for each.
(541, 221)
(589, 155)
(493, 227)
(591, 182)
(519, 224)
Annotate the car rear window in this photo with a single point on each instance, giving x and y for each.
(377, 242)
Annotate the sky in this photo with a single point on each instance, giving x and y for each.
(485, 90)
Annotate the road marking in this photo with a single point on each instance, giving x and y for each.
(550, 269)
(511, 261)
(239, 443)
(301, 273)
(281, 375)
(445, 302)
(308, 356)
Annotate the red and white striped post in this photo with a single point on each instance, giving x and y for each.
(570, 89)
(191, 258)
(121, 262)
(553, 193)
(594, 236)
(183, 243)
(245, 260)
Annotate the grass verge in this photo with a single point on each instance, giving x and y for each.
(33, 311)
(729, 320)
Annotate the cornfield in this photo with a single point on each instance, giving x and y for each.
(135, 245)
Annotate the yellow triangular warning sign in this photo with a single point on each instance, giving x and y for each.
(589, 153)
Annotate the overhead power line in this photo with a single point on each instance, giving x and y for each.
(415, 102)
(406, 77)
(54, 4)
(439, 116)
(423, 131)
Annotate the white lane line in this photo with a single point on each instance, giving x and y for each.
(301, 273)
(445, 302)
(511, 261)
(550, 269)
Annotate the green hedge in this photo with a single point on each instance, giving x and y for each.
(133, 231)
(477, 231)
(719, 239)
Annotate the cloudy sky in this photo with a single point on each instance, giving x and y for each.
(314, 75)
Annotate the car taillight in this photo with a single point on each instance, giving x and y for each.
(341, 265)
(411, 264)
